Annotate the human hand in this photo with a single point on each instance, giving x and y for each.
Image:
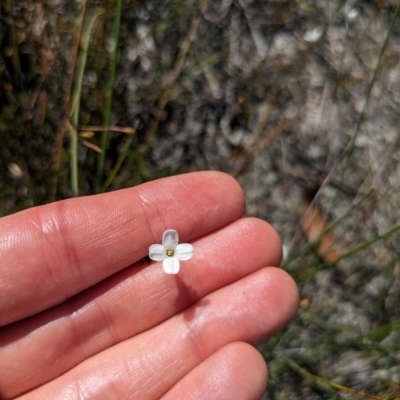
(82, 317)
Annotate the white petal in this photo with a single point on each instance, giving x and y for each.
(170, 239)
(171, 265)
(184, 251)
(157, 252)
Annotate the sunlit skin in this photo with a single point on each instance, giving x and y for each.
(82, 317)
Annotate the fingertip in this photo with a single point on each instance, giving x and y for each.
(267, 238)
(236, 371)
(250, 364)
(283, 295)
(218, 184)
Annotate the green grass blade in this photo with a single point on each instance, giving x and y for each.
(76, 96)
(365, 245)
(117, 165)
(350, 147)
(107, 110)
(375, 75)
(321, 381)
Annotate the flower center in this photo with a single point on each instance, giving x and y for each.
(170, 252)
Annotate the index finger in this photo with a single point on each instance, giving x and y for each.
(50, 253)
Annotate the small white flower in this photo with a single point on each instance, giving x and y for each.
(170, 252)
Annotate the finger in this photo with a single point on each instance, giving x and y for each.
(43, 347)
(148, 365)
(235, 372)
(49, 253)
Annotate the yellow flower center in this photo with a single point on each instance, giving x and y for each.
(170, 252)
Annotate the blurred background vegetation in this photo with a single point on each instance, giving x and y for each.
(297, 99)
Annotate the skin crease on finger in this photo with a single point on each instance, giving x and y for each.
(57, 340)
(237, 371)
(148, 365)
(60, 249)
